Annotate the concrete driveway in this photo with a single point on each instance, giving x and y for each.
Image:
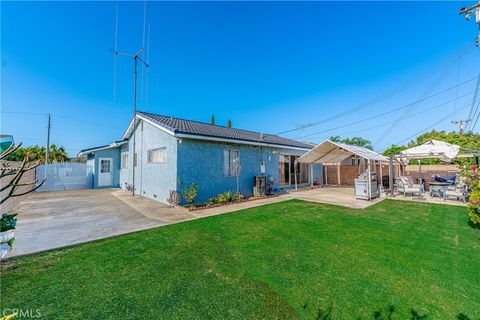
(48, 220)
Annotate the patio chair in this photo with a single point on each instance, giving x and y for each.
(406, 186)
(459, 192)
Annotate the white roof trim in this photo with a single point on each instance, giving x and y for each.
(333, 152)
(111, 145)
(129, 130)
(266, 144)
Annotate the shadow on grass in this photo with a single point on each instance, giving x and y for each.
(387, 314)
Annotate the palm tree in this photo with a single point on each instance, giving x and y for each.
(57, 154)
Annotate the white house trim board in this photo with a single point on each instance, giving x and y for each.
(112, 145)
(129, 130)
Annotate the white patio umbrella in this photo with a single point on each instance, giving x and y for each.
(441, 150)
(433, 149)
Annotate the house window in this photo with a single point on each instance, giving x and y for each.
(231, 163)
(157, 155)
(105, 166)
(124, 160)
(355, 161)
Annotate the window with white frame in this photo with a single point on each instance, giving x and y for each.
(157, 155)
(124, 160)
(105, 166)
(355, 161)
(231, 163)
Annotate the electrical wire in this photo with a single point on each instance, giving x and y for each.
(393, 110)
(431, 88)
(62, 116)
(390, 93)
(436, 123)
(387, 123)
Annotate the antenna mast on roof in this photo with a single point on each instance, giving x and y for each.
(138, 56)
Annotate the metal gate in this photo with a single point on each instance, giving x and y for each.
(65, 176)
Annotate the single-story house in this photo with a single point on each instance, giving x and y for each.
(172, 153)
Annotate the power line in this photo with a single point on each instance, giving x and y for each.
(433, 86)
(394, 110)
(387, 123)
(62, 116)
(390, 93)
(436, 123)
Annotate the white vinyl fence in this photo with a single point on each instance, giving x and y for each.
(65, 176)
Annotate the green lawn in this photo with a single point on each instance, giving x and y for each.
(286, 260)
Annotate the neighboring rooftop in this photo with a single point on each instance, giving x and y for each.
(196, 128)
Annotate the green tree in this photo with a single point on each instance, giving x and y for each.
(212, 120)
(229, 124)
(335, 139)
(37, 153)
(359, 142)
(393, 149)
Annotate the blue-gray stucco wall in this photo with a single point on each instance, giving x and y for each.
(152, 180)
(189, 161)
(112, 153)
(201, 162)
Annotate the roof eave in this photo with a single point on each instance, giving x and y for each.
(237, 141)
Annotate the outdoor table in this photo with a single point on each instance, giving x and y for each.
(438, 189)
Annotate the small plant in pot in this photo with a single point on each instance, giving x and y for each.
(7, 225)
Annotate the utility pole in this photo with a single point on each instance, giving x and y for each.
(475, 9)
(461, 124)
(47, 150)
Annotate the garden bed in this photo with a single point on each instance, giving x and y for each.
(208, 206)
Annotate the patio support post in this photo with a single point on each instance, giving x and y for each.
(295, 172)
(390, 175)
(339, 180)
(326, 175)
(420, 182)
(369, 181)
(311, 174)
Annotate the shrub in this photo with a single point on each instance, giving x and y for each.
(473, 183)
(225, 197)
(190, 193)
(7, 222)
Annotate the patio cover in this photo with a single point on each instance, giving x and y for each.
(441, 150)
(334, 152)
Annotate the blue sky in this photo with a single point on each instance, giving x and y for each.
(267, 66)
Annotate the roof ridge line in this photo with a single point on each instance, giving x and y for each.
(209, 124)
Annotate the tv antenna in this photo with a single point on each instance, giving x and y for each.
(136, 57)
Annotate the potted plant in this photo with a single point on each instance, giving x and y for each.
(7, 225)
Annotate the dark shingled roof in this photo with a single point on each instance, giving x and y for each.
(191, 127)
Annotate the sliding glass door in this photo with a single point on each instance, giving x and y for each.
(286, 174)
